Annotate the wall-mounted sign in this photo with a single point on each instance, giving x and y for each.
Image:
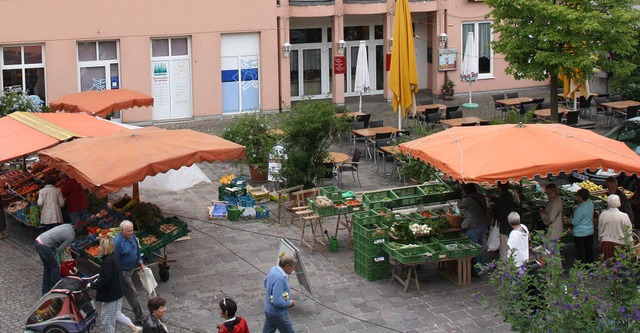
(447, 59)
(339, 64)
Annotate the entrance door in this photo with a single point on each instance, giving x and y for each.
(240, 80)
(308, 77)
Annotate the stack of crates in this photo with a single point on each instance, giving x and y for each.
(369, 235)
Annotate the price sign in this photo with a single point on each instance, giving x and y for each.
(339, 64)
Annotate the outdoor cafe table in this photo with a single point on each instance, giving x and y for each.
(423, 108)
(546, 113)
(459, 121)
(371, 132)
(351, 114)
(619, 106)
(336, 157)
(513, 102)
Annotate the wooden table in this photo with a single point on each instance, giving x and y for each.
(336, 157)
(546, 113)
(619, 107)
(577, 94)
(351, 114)
(459, 121)
(423, 108)
(371, 132)
(511, 102)
(457, 270)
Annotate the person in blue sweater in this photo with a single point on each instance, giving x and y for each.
(582, 221)
(277, 297)
(128, 254)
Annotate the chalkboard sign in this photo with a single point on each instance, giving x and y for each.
(287, 248)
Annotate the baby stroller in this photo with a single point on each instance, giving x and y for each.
(67, 308)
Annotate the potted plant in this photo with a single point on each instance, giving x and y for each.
(447, 88)
(252, 131)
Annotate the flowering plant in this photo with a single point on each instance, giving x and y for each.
(14, 99)
(597, 297)
(447, 86)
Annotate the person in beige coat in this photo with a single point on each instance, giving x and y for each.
(51, 201)
(552, 213)
(614, 228)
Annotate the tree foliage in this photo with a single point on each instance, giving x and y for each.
(540, 39)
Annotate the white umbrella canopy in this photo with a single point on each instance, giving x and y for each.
(469, 71)
(362, 83)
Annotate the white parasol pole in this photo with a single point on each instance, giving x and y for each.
(399, 117)
(360, 103)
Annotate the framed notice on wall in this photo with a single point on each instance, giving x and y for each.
(447, 60)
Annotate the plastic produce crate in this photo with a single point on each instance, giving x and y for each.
(262, 212)
(438, 192)
(365, 217)
(440, 252)
(408, 196)
(453, 249)
(381, 199)
(230, 191)
(246, 201)
(469, 247)
(261, 194)
(369, 247)
(331, 192)
(320, 210)
(371, 231)
(340, 207)
(171, 226)
(372, 269)
(410, 254)
(387, 215)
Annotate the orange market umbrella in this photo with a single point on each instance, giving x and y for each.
(101, 103)
(106, 164)
(403, 74)
(502, 152)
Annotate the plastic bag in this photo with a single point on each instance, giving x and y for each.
(148, 281)
(493, 241)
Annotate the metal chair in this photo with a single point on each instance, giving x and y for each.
(365, 119)
(499, 107)
(371, 143)
(544, 105)
(455, 114)
(350, 166)
(602, 110)
(616, 98)
(354, 138)
(447, 113)
(571, 118)
(376, 123)
(513, 95)
(379, 153)
(584, 106)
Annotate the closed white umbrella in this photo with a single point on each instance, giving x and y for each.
(362, 84)
(469, 71)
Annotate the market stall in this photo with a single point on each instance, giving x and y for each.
(105, 165)
(520, 153)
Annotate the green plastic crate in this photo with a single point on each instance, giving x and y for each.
(440, 252)
(365, 217)
(457, 252)
(227, 191)
(472, 248)
(432, 214)
(340, 207)
(410, 254)
(372, 269)
(355, 208)
(371, 230)
(179, 227)
(438, 192)
(417, 217)
(331, 192)
(320, 210)
(380, 199)
(408, 196)
(387, 215)
(451, 236)
(369, 247)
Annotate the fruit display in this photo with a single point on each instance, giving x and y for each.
(149, 239)
(168, 228)
(591, 186)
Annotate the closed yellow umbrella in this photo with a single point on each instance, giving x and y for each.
(571, 86)
(403, 75)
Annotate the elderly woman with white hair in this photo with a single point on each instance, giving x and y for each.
(614, 228)
(518, 242)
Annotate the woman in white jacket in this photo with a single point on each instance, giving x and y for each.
(614, 228)
(518, 243)
(50, 200)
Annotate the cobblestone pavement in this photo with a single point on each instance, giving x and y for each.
(224, 258)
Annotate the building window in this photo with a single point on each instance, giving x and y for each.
(99, 65)
(171, 78)
(482, 34)
(23, 67)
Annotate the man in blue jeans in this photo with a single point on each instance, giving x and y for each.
(126, 246)
(277, 297)
(48, 245)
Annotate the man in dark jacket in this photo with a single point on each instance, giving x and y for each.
(503, 206)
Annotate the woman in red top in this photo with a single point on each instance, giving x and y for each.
(231, 324)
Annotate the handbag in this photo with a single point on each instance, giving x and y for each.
(148, 281)
(493, 241)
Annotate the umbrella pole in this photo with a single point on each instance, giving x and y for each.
(399, 117)
(360, 103)
(469, 92)
(136, 193)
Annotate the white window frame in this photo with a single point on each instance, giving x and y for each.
(100, 63)
(475, 24)
(23, 66)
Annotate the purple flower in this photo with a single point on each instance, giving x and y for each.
(622, 255)
(577, 306)
(586, 298)
(566, 306)
(492, 265)
(576, 292)
(622, 309)
(636, 315)
(507, 275)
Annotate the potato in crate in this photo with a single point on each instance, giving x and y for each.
(321, 205)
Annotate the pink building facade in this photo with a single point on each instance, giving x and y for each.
(208, 58)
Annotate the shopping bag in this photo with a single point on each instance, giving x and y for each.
(493, 241)
(68, 268)
(148, 281)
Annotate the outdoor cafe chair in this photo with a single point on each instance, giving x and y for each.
(602, 110)
(354, 138)
(376, 123)
(584, 105)
(571, 118)
(350, 166)
(447, 113)
(455, 114)
(379, 153)
(544, 105)
(499, 107)
(632, 112)
(512, 95)
(430, 120)
(371, 143)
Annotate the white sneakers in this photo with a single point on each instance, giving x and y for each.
(137, 329)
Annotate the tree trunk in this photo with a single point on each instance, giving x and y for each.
(553, 99)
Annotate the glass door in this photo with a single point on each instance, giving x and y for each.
(308, 75)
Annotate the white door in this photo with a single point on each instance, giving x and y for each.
(240, 63)
(171, 78)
